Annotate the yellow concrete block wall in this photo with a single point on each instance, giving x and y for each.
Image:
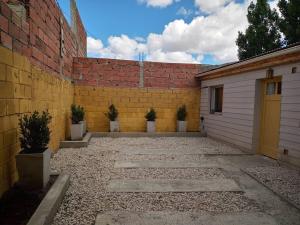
(133, 103)
(24, 89)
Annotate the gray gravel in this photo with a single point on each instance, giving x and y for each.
(282, 180)
(92, 168)
(204, 145)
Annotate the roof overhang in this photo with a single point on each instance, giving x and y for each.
(279, 57)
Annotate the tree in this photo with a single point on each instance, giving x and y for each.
(262, 34)
(289, 23)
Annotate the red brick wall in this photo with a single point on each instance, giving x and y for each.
(80, 30)
(126, 73)
(38, 35)
(106, 72)
(171, 75)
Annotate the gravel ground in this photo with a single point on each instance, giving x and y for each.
(91, 170)
(205, 145)
(282, 180)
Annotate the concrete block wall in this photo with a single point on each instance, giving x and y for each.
(134, 87)
(25, 88)
(33, 74)
(133, 103)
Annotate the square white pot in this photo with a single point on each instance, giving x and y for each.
(33, 169)
(76, 131)
(114, 126)
(150, 126)
(181, 126)
(83, 126)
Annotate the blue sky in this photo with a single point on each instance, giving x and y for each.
(197, 31)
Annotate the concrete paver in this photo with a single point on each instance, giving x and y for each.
(180, 185)
(178, 218)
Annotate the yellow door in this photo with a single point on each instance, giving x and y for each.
(270, 123)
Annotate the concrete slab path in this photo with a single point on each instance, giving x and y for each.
(205, 163)
(201, 151)
(178, 218)
(178, 185)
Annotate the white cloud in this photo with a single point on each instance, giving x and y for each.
(184, 12)
(94, 46)
(210, 6)
(174, 57)
(140, 39)
(274, 5)
(213, 34)
(157, 3)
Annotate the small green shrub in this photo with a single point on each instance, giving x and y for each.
(112, 113)
(77, 113)
(181, 113)
(35, 133)
(151, 115)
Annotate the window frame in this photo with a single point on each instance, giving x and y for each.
(212, 99)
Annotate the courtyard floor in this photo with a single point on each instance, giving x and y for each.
(173, 181)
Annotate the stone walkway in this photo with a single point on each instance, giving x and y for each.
(164, 181)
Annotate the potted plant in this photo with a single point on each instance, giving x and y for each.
(76, 126)
(83, 121)
(181, 119)
(33, 161)
(112, 115)
(151, 116)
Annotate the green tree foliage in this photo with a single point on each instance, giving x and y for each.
(112, 113)
(77, 113)
(181, 113)
(151, 115)
(262, 35)
(35, 133)
(289, 23)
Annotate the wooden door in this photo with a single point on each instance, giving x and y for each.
(270, 122)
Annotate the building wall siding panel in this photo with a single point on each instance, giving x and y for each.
(237, 122)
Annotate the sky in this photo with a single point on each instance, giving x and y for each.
(179, 31)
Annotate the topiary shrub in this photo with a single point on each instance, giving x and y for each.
(35, 133)
(151, 115)
(77, 113)
(181, 113)
(112, 113)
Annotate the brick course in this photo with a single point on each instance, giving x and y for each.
(38, 35)
(126, 73)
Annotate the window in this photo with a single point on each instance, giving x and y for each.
(216, 99)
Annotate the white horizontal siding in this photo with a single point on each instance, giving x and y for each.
(290, 114)
(236, 123)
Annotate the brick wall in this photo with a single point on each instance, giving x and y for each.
(106, 72)
(38, 34)
(133, 103)
(25, 88)
(33, 74)
(126, 73)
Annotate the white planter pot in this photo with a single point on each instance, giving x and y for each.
(83, 126)
(150, 126)
(114, 126)
(76, 131)
(181, 126)
(33, 169)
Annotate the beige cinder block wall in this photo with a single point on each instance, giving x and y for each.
(24, 89)
(133, 103)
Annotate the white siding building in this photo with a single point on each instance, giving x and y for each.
(255, 95)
